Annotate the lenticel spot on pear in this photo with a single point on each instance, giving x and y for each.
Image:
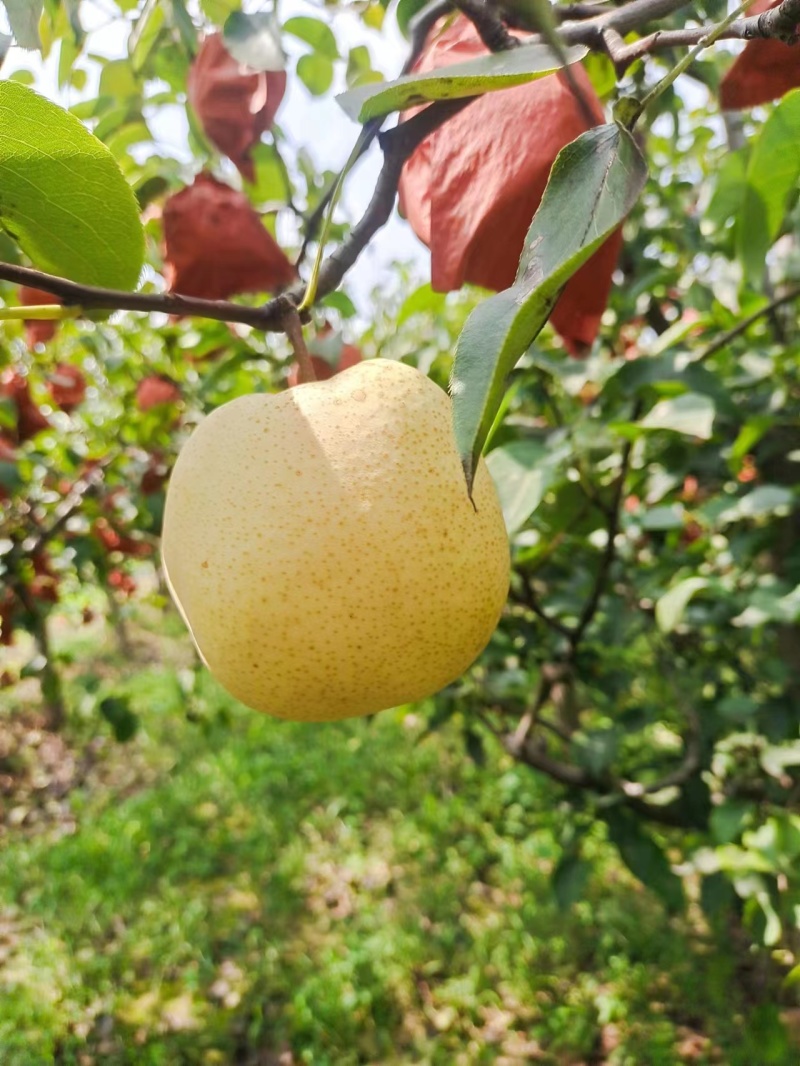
(321, 545)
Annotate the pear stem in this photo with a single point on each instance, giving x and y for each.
(294, 331)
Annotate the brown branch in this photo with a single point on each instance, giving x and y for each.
(576, 12)
(273, 316)
(398, 144)
(85, 486)
(778, 24)
(688, 767)
(533, 754)
(530, 600)
(314, 220)
(270, 317)
(490, 26)
(741, 327)
(610, 551)
(305, 367)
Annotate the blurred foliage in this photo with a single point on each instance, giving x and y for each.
(649, 658)
(227, 889)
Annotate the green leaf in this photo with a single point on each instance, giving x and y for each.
(216, 11)
(10, 479)
(671, 606)
(186, 28)
(145, 33)
(772, 176)
(760, 503)
(569, 880)
(118, 80)
(422, 301)
(690, 413)
(314, 32)
(359, 68)
(655, 370)
(522, 475)
(594, 183)
(254, 40)
(729, 192)
(23, 18)
(749, 435)
(316, 73)
(595, 749)
(340, 302)
(769, 605)
(738, 708)
(500, 70)
(406, 10)
(777, 758)
(87, 230)
(273, 184)
(644, 858)
(120, 717)
(729, 819)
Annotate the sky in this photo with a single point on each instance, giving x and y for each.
(317, 124)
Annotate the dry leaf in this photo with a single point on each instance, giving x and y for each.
(235, 104)
(765, 70)
(471, 189)
(217, 246)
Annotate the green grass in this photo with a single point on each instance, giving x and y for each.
(234, 888)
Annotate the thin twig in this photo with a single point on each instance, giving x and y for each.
(305, 366)
(610, 551)
(420, 27)
(490, 26)
(688, 767)
(530, 600)
(270, 317)
(741, 327)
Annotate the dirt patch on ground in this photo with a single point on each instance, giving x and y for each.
(38, 770)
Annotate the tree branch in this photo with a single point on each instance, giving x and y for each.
(398, 145)
(273, 316)
(490, 26)
(725, 338)
(688, 767)
(270, 317)
(420, 26)
(530, 600)
(778, 23)
(610, 551)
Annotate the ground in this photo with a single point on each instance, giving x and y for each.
(229, 889)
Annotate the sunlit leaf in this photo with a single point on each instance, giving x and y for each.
(671, 606)
(522, 474)
(689, 413)
(500, 70)
(254, 40)
(87, 229)
(316, 73)
(314, 32)
(772, 175)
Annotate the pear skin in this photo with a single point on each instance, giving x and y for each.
(321, 545)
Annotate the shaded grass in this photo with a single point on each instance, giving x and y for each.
(238, 889)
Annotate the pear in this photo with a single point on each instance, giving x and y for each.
(323, 550)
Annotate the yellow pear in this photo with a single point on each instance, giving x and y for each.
(323, 550)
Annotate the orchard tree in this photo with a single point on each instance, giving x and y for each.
(625, 188)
